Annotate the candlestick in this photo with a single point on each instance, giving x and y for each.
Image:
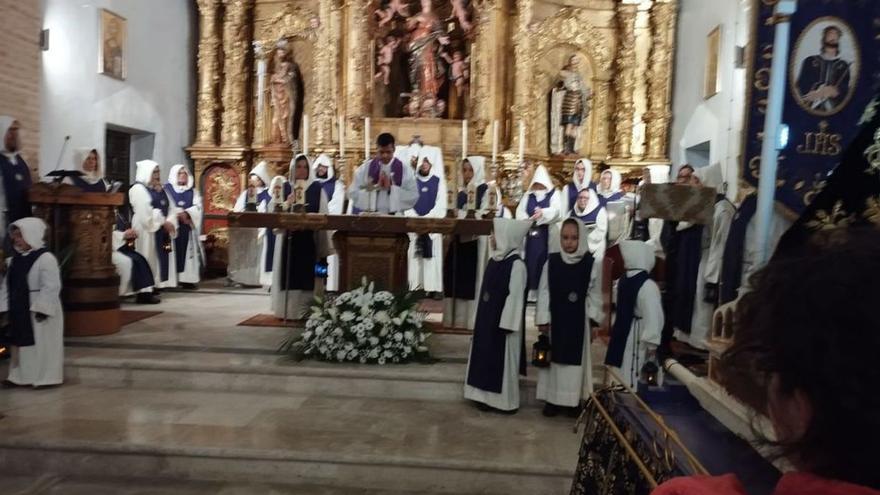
(464, 138)
(305, 133)
(367, 138)
(494, 141)
(522, 141)
(342, 137)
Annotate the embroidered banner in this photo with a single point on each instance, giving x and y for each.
(833, 72)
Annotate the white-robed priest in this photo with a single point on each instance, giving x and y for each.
(638, 319)
(293, 274)
(384, 184)
(187, 247)
(542, 204)
(30, 297)
(334, 189)
(569, 297)
(494, 362)
(426, 250)
(154, 218)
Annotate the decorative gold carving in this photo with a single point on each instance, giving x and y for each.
(236, 43)
(658, 116)
(209, 77)
(223, 192)
(625, 80)
(291, 22)
(91, 234)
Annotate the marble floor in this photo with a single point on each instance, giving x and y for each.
(189, 402)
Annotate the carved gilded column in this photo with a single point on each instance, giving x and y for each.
(357, 65)
(659, 114)
(236, 44)
(523, 107)
(625, 80)
(326, 60)
(209, 79)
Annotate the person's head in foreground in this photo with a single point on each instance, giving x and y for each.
(805, 356)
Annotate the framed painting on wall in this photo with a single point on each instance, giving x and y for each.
(111, 47)
(712, 82)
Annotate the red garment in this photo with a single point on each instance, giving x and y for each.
(789, 484)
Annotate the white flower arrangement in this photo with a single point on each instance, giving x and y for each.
(364, 326)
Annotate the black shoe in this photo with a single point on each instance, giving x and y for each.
(147, 298)
(189, 286)
(8, 384)
(482, 407)
(550, 410)
(573, 412)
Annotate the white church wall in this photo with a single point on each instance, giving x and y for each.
(156, 96)
(717, 120)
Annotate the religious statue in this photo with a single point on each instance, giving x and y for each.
(286, 89)
(569, 108)
(427, 37)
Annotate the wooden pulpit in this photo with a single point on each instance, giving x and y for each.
(80, 235)
(371, 246)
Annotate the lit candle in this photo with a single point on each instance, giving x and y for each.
(495, 141)
(367, 138)
(342, 136)
(522, 141)
(305, 133)
(464, 138)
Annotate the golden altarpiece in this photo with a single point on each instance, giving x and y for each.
(558, 80)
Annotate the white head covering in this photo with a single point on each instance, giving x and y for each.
(277, 180)
(172, 178)
(478, 163)
(659, 174)
(261, 170)
(710, 176)
(588, 173)
(144, 171)
(509, 236)
(33, 231)
(79, 158)
(326, 161)
(291, 174)
(583, 242)
(5, 123)
(615, 183)
(592, 203)
(541, 176)
(434, 155)
(404, 152)
(637, 255)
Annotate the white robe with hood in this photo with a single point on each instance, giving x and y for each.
(427, 273)
(580, 185)
(79, 159)
(647, 324)
(260, 170)
(598, 232)
(566, 384)
(191, 273)
(146, 220)
(550, 215)
(461, 312)
(241, 268)
(42, 363)
(335, 205)
(509, 235)
(266, 275)
(297, 301)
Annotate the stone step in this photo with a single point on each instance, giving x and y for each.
(366, 443)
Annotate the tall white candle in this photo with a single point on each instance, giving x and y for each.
(464, 138)
(342, 136)
(367, 138)
(305, 134)
(495, 141)
(522, 141)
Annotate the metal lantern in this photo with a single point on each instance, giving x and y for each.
(541, 352)
(649, 373)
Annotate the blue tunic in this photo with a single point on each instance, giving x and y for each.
(159, 200)
(568, 285)
(536, 242)
(427, 200)
(141, 273)
(86, 186)
(21, 329)
(486, 368)
(614, 197)
(300, 250)
(183, 201)
(627, 291)
(688, 251)
(732, 259)
(589, 218)
(461, 199)
(16, 182)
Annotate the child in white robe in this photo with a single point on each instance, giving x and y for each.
(30, 297)
(569, 296)
(425, 252)
(492, 379)
(638, 321)
(544, 205)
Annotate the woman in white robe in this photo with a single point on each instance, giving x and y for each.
(258, 179)
(191, 211)
(714, 238)
(293, 303)
(88, 161)
(334, 189)
(427, 273)
(647, 322)
(459, 312)
(594, 216)
(581, 178)
(279, 190)
(147, 218)
(40, 364)
(507, 240)
(565, 385)
(543, 204)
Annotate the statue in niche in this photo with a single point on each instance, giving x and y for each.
(569, 109)
(286, 91)
(422, 57)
